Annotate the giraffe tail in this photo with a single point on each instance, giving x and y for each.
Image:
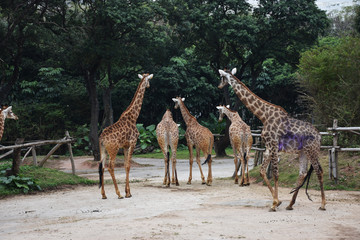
(209, 155)
(101, 168)
(307, 178)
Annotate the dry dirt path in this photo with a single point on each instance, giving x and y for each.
(222, 211)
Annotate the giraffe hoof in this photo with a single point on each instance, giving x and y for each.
(272, 209)
(104, 197)
(322, 208)
(279, 203)
(128, 196)
(203, 183)
(289, 208)
(208, 184)
(120, 197)
(188, 183)
(177, 184)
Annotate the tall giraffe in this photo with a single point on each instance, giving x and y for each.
(122, 134)
(281, 133)
(167, 133)
(5, 112)
(241, 142)
(199, 136)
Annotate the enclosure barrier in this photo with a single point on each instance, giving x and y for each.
(31, 148)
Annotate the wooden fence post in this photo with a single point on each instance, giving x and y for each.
(33, 153)
(71, 153)
(16, 159)
(333, 154)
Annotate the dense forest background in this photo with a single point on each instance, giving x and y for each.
(73, 64)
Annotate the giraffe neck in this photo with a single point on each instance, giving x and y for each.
(233, 116)
(2, 124)
(259, 107)
(188, 118)
(133, 110)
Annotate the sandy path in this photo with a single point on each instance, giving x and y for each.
(222, 211)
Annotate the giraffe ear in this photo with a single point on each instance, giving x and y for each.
(183, 99)
(228, 106)
(233, 71)
(150, 76)
(174, 99)
(222, 72)
(218, 107)
(140, 76)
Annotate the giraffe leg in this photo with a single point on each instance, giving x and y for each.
(270, 155)
(190, 162)
(111, 171)
(199, 164)
(242, 180)
(276, 201)
(127, 156)
(173, 159)
(302, 174)
(314, 158)
(247, 157)
(167, 170)
(102, 168)
(209, 179)
(236, 166)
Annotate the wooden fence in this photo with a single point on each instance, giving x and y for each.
(31, 147)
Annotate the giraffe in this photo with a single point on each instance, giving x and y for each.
(281, 133)
(122, 134)
(241, 142)
(167, 133)
(199, 136)
(5, 112)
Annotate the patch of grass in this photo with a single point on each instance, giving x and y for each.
(46, 178)
(348, 165)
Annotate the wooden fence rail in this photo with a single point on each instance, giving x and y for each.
(32, 146)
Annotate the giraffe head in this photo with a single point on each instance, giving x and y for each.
(222, 110)
(177, 101)
(147, 78)
(225, 76)
(7, 112)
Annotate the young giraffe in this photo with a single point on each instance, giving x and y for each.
(167, 133)
(241, 142)
(199, 136)
(5, 112)
(122, 134)
(281, 133)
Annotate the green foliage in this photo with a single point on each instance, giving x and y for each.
(214, 125)
(36, 179)
(330, 75)
(147, 136)
(16, 183)
(82, 144)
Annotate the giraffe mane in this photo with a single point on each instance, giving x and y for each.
(262, 100)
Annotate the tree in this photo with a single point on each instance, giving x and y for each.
(329, 73)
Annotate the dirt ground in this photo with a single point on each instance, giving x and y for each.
(221, 211)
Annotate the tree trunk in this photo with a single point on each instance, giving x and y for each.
(108, 118)
(223, 142)
(16, 159)
(91, 87)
